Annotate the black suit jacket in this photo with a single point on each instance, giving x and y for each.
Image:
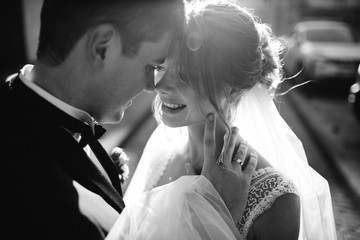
(39, 161)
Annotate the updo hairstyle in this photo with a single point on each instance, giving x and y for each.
(226, 51)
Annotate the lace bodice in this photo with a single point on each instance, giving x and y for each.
(266, 186)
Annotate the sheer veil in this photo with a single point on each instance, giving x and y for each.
(263, 127)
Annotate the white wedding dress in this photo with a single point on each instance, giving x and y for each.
(190, 208)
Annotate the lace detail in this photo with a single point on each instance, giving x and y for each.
(267, 185)
(159, 168)
(157, 173)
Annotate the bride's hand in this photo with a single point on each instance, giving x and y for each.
(231, 182)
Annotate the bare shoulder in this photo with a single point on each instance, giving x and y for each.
(273, 207)
(281, 221)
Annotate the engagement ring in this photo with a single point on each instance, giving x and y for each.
(239, 161)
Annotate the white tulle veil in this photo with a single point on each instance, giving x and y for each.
(263, 127)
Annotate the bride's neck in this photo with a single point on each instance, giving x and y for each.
(196, 143)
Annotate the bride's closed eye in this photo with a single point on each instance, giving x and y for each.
(157, 68)
(159, 72)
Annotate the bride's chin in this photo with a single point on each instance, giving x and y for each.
(171, 124)
(177, 122)
(114, 118)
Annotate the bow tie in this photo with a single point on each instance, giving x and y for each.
(88, 136)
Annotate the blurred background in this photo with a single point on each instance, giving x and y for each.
(322, 48)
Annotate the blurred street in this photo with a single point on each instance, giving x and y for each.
(331, 137)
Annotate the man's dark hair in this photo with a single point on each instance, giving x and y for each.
(64, 22)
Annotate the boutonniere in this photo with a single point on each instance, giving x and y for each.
(121, 160)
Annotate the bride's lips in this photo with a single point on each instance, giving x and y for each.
(172, 108)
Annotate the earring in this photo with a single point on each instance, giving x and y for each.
(228, 114)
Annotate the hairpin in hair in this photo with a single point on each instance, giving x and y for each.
(194, 41)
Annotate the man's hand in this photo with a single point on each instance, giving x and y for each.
(231, 182)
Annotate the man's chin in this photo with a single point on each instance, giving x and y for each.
(115, 118)
(118, 117)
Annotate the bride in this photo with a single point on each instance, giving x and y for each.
(227, 63)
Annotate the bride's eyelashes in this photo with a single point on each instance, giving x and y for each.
(157, 70)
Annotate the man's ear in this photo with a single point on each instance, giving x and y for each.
(100, 42)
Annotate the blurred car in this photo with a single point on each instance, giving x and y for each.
(354, 95)
(322, 50)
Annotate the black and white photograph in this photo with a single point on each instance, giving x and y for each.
(180, 119)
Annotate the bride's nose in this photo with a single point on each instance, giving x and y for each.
(166, 85)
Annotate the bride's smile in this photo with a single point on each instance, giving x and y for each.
(172, 108)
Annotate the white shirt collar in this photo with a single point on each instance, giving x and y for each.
(77, 113)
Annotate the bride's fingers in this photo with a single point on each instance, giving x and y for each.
(209, 141)
(251, 165)
(241, 153)
(229, 152)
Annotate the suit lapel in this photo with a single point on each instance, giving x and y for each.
(67, 152)
(84, 171)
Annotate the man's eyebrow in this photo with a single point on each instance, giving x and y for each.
(159, 61)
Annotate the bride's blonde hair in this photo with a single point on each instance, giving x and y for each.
(225, 51)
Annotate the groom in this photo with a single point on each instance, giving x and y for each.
(93, 58)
